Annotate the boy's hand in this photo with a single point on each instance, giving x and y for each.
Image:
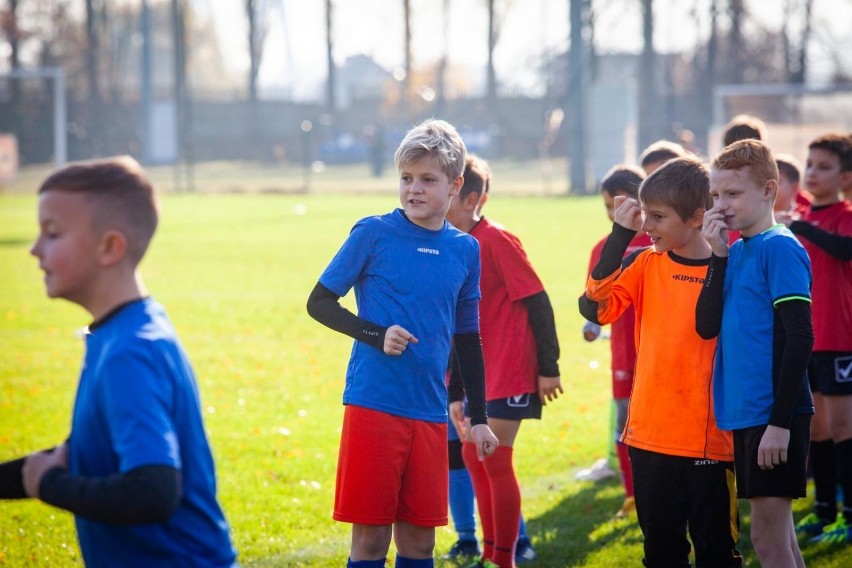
(36, 465)
(397, 339)
(591, 331)
(485, 440)
(549, 389)
(715, 230)
(457, 418)
(772, 450)
(786, 218)
(628, 212)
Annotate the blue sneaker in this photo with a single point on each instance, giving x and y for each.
(811, 525)
(524, 552)
(462, 549)
(837, 532)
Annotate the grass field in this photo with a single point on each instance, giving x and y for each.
(234, 272)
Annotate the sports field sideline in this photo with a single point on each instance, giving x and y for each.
(234, 265)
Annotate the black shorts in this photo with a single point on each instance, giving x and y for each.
(830, 372)
(785, 480)
(519, 407)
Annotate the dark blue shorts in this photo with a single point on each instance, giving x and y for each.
(519, 407)
(830, 372)
(785, 480)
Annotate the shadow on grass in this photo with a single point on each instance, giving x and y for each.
(581, 530)
(582, 524)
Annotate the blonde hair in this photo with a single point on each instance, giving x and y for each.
(750, 153)
(436, 140)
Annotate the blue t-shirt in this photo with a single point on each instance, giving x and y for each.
(763, 271)
(425, 281)
(137, 405)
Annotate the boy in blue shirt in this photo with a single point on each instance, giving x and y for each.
(416, 282)
(136, 470)
(757, 298)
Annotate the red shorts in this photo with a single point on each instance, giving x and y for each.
(622, 383)
(391, 469)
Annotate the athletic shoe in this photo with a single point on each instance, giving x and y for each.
(598, 471)
(461, 549)
(811, 525)
(483, 563)
(628, 507)
(837, 532)
(524, 552)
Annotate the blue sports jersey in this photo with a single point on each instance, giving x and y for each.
(423, 280)
(137, 405)
(762, 271)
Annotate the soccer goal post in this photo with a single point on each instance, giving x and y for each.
(794, 114)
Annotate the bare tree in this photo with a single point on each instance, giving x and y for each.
(329, 50)
(406, 82)
(647, 83)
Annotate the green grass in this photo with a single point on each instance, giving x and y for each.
(234, 272)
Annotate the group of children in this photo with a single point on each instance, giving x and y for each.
(742, 405)
(711, 360)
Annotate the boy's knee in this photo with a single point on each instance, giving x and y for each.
(370, 542)
(414, 541)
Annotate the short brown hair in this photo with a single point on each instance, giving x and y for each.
(121, 194)
(623, 178)
(838, 144)
(789, 166)
(748, 153)
(682, 184)
(477, 176)
(661, 151)
(744, 127)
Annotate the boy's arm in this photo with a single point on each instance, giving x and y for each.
(708, 309)
(148, 494)
(838, 246)
(12, 479)
(799, 339)
(471, 365)
(543, 324)
(324, 306)
(599, 285)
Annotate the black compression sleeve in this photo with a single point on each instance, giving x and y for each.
(472, 366)
(799, 340)
(323, 306)
(12, 479)
(613, 251)
(455, 387)
(838, 246)
(543, 324)
(708, 309)
(148, 494)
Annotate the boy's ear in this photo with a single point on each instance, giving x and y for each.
(698, 217)
(472, 200)
(112, 248)
(770, 188)
(457, 185)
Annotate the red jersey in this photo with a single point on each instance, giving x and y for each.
(803, 200)
(621, 343)
(831, 294)
(508, 343)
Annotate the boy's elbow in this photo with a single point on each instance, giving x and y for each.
(588, 309)
(706, 332)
